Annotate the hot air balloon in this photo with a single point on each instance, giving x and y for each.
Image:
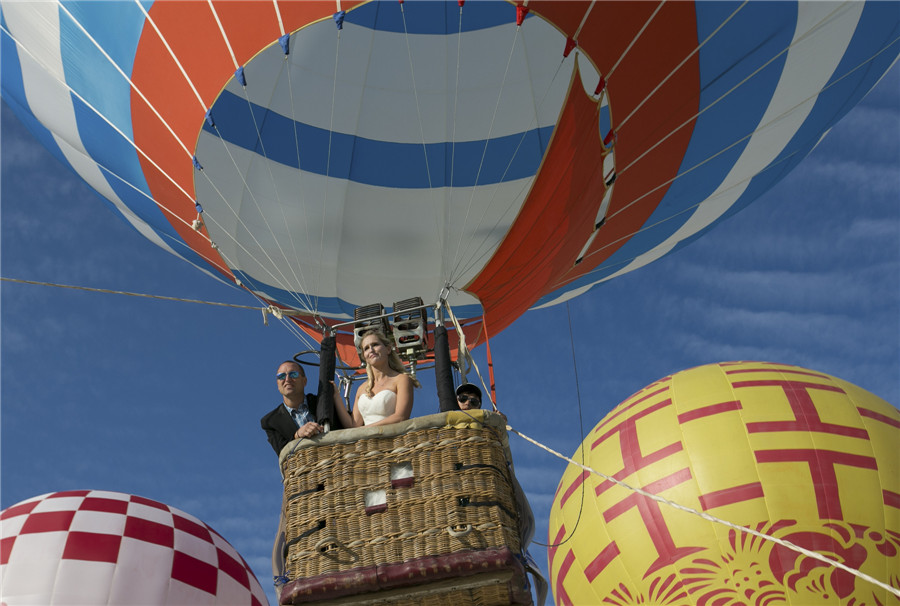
(103, 547)
(489, 156)
(496, 156)
(803, 457)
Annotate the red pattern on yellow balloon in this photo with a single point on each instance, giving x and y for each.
(791, 453)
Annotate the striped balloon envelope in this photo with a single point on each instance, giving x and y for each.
(500, 155)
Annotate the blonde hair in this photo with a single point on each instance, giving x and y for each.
(394, 361)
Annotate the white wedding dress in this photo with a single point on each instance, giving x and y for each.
(378, 407)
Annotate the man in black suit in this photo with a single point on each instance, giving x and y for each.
(295, 417)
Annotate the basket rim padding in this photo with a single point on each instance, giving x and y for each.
(469, 418)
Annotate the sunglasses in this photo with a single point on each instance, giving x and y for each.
(284, 375)
(463, 398)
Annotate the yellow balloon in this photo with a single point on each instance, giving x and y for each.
(789, 452)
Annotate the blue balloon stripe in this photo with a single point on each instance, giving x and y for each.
(378, 163)
(731, 113)
(110, 149)
(13, 88)
(116, 28)
(96, 134)
(328, 306)
(757, 34)
(431, 18)
(861, 66)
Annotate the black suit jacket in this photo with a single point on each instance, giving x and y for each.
(280, 427)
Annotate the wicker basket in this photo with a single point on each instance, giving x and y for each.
(376, 509)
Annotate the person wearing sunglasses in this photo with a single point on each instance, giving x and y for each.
(468, 396)
(295, 417)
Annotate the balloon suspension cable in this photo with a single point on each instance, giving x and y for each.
(198, 223)
(345, 382)
(440, 304)
(713, 519)
(443, 295)
(490, 130)
(169, 212)
(460, 265)
(465, 356)
(703, 162)
(760, 128)
(490, 359)
(581, 432)
(462, 351)
(327, 331)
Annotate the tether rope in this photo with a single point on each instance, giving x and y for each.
(278, 16)
(266, 309)
(559, 455)
(706, 516)
(584, 19)
(475, 261)
(295, 288)
(337, 57)
(127, 293)
(689, 510)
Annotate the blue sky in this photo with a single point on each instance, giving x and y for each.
(163, 399)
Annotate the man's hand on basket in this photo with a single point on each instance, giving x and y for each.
(308, 430)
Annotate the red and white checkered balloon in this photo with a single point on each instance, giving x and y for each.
(100, 547)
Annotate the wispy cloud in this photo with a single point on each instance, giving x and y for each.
(874, 231)
(850, 292)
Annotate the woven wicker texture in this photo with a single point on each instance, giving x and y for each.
(489, 595)
(460, 497)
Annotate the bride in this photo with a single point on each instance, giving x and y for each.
(387, 397)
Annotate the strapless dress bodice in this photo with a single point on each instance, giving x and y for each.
(378, 407)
